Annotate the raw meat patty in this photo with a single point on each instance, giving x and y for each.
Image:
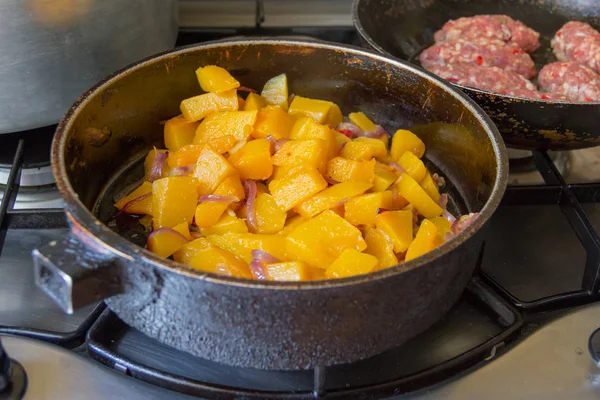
(499, 27)
(575, 81)
(492, 79)
(579, 42)
(482, 52)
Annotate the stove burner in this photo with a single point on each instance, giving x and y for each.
(13, 380)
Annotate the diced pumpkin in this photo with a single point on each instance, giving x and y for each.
(229, 222)
(215, 79)
(412, 165)
(211, 169)
(165, 241)
(217, 261)
(384, 178)
(294, 189)
(362, 121)
(342, 169)
(351, 263)
(273, 121)
(380, 246)
(334, 116)
(231, 186)
(179, 132)
(321, 239)
(197, 107)
(363, 149)
(311, 152)
(269, 217)
(241, 104)
(254, 101)
(223, 144)
(187, 155)
(340, 139)
(313, 108)
(444, 226)
(404, 140)
(208, 213)
(331, 197)
(362, 210)
(284, 171)
(174, 200)
(253, 160)
(398, 226)
(189, 250)
(242, 244)
(430, 188)
(184, 229)
(275, 91)
(425, 240)
(236, 123)
(149, 161)
(288, 271)
(305, 128)
(411, 191)
(291, 224)
(143, 206)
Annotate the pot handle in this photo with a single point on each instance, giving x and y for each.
(75, 273)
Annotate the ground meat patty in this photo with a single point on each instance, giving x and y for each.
(492, 79)
(499, 27)
(573, 80)
(579, 42)
(482, 52)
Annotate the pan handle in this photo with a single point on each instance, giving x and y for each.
(74, 273)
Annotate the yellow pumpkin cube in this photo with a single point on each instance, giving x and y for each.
(351, 263)
(291, 224)
(216, 79)
(362, 210)
(313, 108)
(342, 169)
(384, 177)
(242, 244)
(269, 217)
(273, 121)
(165, 241)
(143, 206)
(404, 140)
(412, 165)
(217, 261)
(223, 144)
(211, 169)
(305, 128)
(294, 189)
(231, 186)
(208, 213)
(254, 101)
(411, 191)
(189, 250)
(237, 123)
(398, 226)
(179, 132)
(197, 107)
(430, 188)
(334, 116)
(241, 104)
(174, 200)
(380, 246)
(149, 162)
(444, 226)
(275, 91)
(184, 229)
(331, 197)
(288, 271)
(253, 160)
(363, 149)
(229, 222)
(311, 152)
(362, 121)
(425, 240)
(321, 239)
(340, 139)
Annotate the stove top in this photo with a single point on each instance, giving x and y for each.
(525, 318)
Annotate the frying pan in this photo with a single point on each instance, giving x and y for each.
(262, 324)
(404, 28)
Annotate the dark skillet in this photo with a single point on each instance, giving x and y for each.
(403, 28)
(275, 325)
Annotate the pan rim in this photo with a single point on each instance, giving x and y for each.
(103, 236)
(358, 26)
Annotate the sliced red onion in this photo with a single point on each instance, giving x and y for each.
(443, 202)
(215, 198)
(331, 181)
(196, 235)
(182, 171)
(171, 232)
(280, 142)
(379, 132)
(156, 169)
(251, 191)
(246, 89)
(135, 201)
(438, 180)
(463, 222)
(381, 210)
(263, 257)
(350, 130)
(291, 98)
(396, 167)
(342, 146)
(448, 236)
(258, 270)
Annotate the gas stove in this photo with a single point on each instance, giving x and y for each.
(522, 329)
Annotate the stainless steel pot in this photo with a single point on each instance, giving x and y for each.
(53, 50)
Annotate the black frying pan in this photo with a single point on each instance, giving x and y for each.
(403, 28)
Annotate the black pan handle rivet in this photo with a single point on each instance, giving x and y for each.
(594, 346)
